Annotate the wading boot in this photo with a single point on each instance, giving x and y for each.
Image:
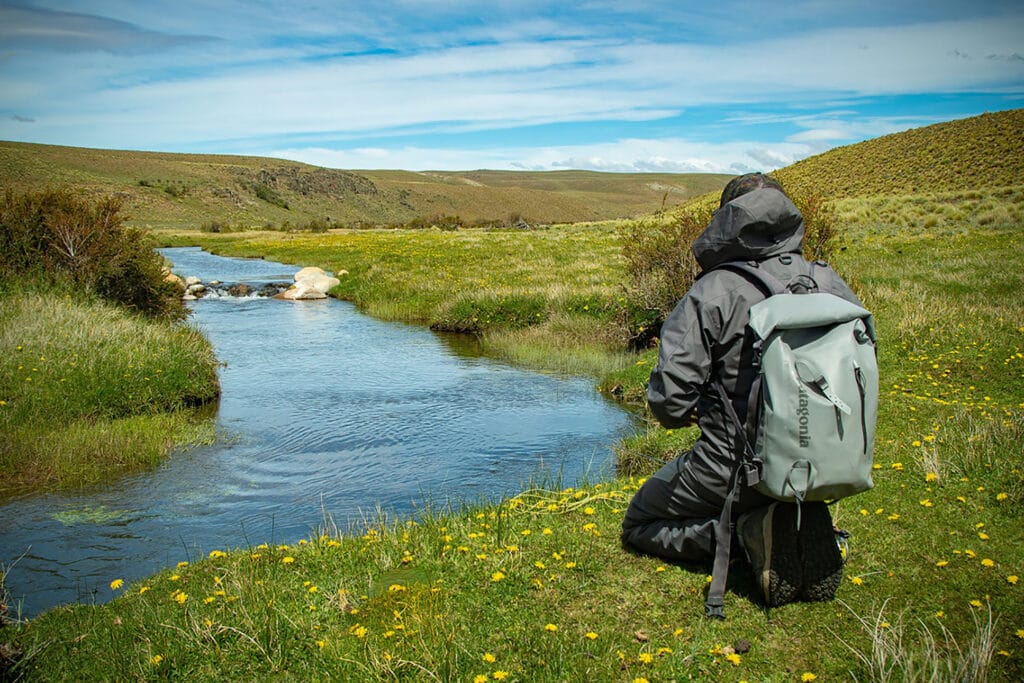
(820, 556)
(769, 538)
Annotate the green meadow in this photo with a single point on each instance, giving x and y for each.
(536, 587)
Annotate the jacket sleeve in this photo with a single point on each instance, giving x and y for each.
(684, 364)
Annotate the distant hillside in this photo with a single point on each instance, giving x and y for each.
(188, 190)
(980, 152)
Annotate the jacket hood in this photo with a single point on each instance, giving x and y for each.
(752, 227)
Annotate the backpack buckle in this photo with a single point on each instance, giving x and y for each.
(752, 471)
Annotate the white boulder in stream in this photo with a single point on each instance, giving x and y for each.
(310, 283)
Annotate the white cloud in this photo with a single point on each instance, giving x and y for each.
(669, 155)
(210, 94)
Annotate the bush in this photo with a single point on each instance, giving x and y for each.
(660, 266)
(65, 238)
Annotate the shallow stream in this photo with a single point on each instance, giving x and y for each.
(325, 413)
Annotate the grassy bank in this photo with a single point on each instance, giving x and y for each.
(537, 588)
(547, 298)
(90, 390)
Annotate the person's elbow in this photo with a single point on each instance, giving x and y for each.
(672, 414)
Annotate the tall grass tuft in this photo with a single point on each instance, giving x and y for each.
(908, 650)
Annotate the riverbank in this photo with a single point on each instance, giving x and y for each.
(92, 391)
(537, 587)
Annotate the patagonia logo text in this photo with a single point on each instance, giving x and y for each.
(803, 418)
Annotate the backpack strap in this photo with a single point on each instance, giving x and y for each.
(749, 468)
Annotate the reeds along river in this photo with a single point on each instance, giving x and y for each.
(325, 413)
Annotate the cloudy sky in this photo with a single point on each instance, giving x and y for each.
(615, 85)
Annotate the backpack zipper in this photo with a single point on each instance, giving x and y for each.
(859, 374)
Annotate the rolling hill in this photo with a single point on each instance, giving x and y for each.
(187, 190)
(980, 152)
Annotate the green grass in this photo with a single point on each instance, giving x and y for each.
(88, 390)
(547, 298)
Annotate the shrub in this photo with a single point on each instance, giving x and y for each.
(269, 195)
(660, 266)
(62, 237)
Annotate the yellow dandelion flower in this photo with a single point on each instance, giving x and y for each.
(640, 679)
(500, 675)
(942, 563)
(489, 658)
(659, 568)
(808, 676)
(497, 576)
(926, 503)
(116, 583)
(480, 678)
(156, 659)
(313, 589)
(547, 531)
(539, 565)
(537, 583)
(590, 635)
(940, 614)
(588, 510)
(976, 603)
(180, 597)
(321, 643)
(856, 580)
(181, 564)
(287, 559)
(988, 563)
(1002, 496)
(570, 565)
(551, 628)
(734, 658)
(143, 589)
(916, 444)
(931, 476)
(1020, 633)
(1012, 579)
(646, 658)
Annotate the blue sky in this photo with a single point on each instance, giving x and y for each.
(730, 86)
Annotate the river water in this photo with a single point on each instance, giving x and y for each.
(325, 413)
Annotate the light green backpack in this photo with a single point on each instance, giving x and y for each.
(810, 428)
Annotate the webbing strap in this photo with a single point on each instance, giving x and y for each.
(714, 604)
(748, 468)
